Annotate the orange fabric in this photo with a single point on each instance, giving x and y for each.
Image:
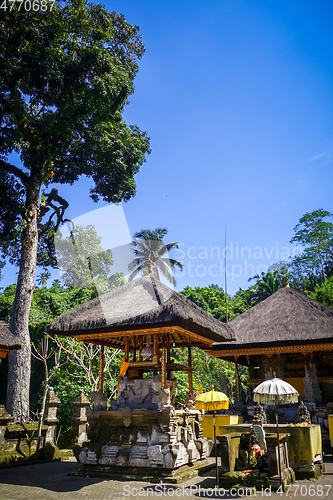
(123, 368)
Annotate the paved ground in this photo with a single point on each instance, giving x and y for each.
(51, 481)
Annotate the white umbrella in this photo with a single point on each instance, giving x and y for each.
(276, 391)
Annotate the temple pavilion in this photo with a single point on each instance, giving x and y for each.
(145, 319)
(290, 333)
(8, 341)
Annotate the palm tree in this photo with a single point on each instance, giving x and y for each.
(43, 278)
(150, 250)
(266, 285)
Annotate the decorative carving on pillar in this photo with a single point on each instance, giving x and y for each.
(79, 420)
(308, 387)
(50, 416)
(266, 365)
(317, 395)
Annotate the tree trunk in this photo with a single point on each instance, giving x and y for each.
(19, 362)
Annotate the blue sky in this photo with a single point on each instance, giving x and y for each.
(237, 99)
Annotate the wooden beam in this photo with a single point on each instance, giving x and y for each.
(269, 351)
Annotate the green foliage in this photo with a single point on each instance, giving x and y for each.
(324, 292)
(315, 234)
(150, 251)
(82, 260)
(212, 300)
(208, 371)
(266, 285)
(65, 76)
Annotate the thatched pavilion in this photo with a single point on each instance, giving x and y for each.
(145, 319)
(290, 333)
(8, 341)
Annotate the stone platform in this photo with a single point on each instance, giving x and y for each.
(148, 474)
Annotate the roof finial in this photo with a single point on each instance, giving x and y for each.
(285, 281)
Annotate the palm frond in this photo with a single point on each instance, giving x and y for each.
(135, 273)
(133, 264)
(168, 247)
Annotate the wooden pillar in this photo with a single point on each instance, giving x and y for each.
(248, 358)
(101, 370)
(168, 348)
(237, 380)
(140, 348)
(127, 349)
(190, 374)
(155, 339)
(134, 349)
(168, 354)
(163, 364)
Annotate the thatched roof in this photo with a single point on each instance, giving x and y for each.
(7, 340)
(141, 307)
(286, 317)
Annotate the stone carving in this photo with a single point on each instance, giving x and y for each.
(99, 399)
(317, 394)
(303, 414)
(254, 440)
(259, 415)
(147, 434)
(190, 400)
(308, 387)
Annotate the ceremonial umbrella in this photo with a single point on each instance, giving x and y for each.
(276, 391)
(212, 401)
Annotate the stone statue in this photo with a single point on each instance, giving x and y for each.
(303, 414)
(190, 400)
(268, 376)
(259, 416)
(308, 387)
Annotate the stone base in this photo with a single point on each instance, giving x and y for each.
(156, 475)
(288, 477)
(311, 471)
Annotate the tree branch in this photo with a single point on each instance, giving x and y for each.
(15, 171)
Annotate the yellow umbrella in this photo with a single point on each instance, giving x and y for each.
(213, 401)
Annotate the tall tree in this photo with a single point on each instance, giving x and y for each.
(65, 78)
(82, 260)
(315, 234)
(151, 251)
